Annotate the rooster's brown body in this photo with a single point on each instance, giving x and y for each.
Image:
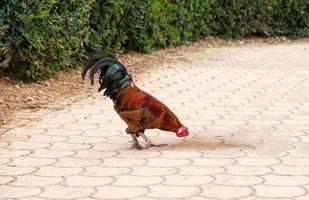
(138, 109)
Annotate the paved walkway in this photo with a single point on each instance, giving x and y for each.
(248, 112)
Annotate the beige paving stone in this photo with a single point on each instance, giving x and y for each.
(167, 192)
(278, 191)
(304, 138)
(11, 153)
(153, 171)
(115, 192)
(118, 139)
(261, 198)
(298, 154)
(46, 138)
(58, 120)
(296, 122)
(105, 132)
(13, 170)
(6, 179)
(223, 179)
(28, 145)
(244, 113)
(12, 137)
(298, 117)
(264, 122)
(122, 162)
(212, 162)
(182, 180)
(142, 198)
(61, 192)
(4, 144)
(62, 132)
(247, 170)
(129, 180)
(46, 153)
(291, 133)
(32, 162)
(280, 180)
(17, 192)
(87, 140)
(295, 161)
(73, 126)
(304, 197)
(36, 125)
(25, 131)
(76, 162)
(136, 154)
(180, 154)
(199, 198)
(57, 171)
(165, 162)
(225, 153)
(110, 147)
(87, 181)
(4, 161)
(94, 154)
(290, 170)
(257, 161)
(32, 198)
(105, 171)
(35, 181)
(225, 192)
(229, 122)
(62, 146)
(199, 171)
(269, 150)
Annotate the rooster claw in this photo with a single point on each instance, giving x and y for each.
(148, 145)
(138, 147)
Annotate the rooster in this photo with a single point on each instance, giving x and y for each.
(138, 109)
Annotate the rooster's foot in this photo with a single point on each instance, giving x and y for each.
(149, 143)
(136, 144)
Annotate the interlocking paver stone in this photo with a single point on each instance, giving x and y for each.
(88, 181)
(278, 191)
(6, 179)
(58, 171)
(153, 171)
(247, 109)
(36, 181)
(281, 180)
(247, 171)
(237, 180)
(129, 180)
(6, 170)
(106, 171)
(63, 192)
(17, 192)
(176, 192)
(225, 192)
(185, 180)
(115, 192)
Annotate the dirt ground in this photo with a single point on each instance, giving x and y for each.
(68, 87)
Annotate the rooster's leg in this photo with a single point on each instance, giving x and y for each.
(149, 143)
(136, 144)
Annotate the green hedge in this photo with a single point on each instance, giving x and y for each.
(44, 36)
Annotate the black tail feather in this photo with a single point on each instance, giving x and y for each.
(95, 64)
(91, 62)
(113, 75)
